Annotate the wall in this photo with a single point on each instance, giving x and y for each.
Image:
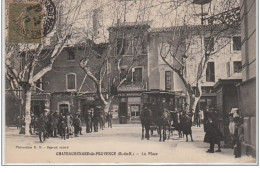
(220, 60)
(247, 89)
(157, 66)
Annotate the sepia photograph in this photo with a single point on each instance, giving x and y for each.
(130, 82)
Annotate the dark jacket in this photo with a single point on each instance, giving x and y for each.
(213, 134)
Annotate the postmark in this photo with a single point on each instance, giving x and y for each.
(30, 21)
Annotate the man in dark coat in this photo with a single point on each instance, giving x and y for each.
(213, 135)
(109, 119)
(41, 127)
(88, 118)
(76, 123)
(96, 117)
(238, 136)
(206, 115)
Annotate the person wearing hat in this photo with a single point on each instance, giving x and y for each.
(213, 135)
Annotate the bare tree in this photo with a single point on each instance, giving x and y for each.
(195, 43)
(129, 44)
(36, 59)
(124, 50)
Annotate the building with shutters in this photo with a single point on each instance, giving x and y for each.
(225, 63)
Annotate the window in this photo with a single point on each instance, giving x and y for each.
(123, 74)
(135, 110)
(236, 43)
(168, 80)
(71, 55)
(210, 72)
(237, 66)
(138, 75)
(228, 69)
(71, 81)
(209, 44)
(124, 46)
(38, 84)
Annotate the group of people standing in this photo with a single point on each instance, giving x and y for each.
(48, 124)
(96, 116)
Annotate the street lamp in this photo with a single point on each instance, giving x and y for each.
(202, 2)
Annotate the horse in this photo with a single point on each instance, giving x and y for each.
(164, 124)
(155, 120)
(146, 121)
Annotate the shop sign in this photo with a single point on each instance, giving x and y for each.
(129, 94)
(38, 97)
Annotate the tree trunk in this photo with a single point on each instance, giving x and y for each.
(27, 110)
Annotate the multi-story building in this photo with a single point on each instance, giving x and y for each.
(129, 46)
(226, 62)
(247, 88)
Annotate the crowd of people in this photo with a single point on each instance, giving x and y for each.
(64, 125)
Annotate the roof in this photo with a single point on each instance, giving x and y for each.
(188, 27)
(227, 82)
(164, 92)
(131, 24)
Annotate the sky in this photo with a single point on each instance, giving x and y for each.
(159, 13)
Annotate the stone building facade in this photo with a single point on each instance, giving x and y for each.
(247, 88)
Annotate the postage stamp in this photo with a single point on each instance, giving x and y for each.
(30, 21)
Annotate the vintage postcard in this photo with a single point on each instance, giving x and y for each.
(129, 82)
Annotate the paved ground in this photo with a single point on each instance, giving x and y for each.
(121, 144)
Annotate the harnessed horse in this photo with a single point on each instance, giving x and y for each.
(161, 120)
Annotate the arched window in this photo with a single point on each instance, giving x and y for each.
(71, 81)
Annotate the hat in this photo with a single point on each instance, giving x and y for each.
(46, 110)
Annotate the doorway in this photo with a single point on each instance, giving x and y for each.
(122, 113)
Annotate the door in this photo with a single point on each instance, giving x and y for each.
(123, 113)
(37, 107)
(64, 108)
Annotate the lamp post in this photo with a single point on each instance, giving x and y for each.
(201, 3)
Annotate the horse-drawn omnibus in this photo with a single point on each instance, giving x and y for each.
(161, 103)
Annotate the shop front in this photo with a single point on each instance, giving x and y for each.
(129, 107)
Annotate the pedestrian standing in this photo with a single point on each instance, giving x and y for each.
(187, 126)
(63, 127)
(181, 123)
(199, 117)
(238, 136)
(213, 135)
(206, 115)
(41, 127)
(76, 123)
(55, 123)
(109, 119)
(232, 127)
(88, 121)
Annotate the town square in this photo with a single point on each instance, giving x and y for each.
(130, 82)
